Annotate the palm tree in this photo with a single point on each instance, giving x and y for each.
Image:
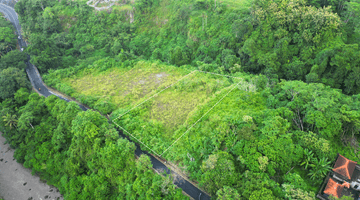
(10, 120)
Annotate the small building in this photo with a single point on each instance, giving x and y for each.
(342, 180)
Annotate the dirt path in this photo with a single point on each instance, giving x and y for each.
(16, 181)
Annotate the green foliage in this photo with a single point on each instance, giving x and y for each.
(53, 44)
(80, 152)
(89, 130)
(313, 142)
(262, 194)
(22, 96)
(308, 157)
(274, 144)
(296, 180)
(297, 193)
(350, 15)
(341, 198)
(296, 188)
(316, 108)
(10, 120)
(319, 168)
(218, 171)
(304, 45)
(12, 75)
(227, 193)
(105, 107)
(259, 185)
(12, 79)
(14, 59)
(274, 33)
(6, 34)
(337, 67)
(7, 37)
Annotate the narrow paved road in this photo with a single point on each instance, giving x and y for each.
(37, 83)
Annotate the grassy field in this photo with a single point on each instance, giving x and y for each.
(127, 88)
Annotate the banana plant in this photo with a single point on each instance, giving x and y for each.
(319, 168)
(309, 156)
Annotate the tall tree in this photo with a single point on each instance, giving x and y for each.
(218, 171)
(12, 79)
(15, 59)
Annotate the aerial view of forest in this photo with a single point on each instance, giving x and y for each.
(244, 99)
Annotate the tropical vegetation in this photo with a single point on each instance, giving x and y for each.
(269, 125)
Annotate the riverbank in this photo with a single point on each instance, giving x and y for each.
(16, 181)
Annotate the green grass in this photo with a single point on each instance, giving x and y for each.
(122, 8)
(103, 4)
(235, 4)
(126, 86)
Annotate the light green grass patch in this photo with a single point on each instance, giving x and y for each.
(122, 8)
(103, 4)
(236, 4)
(123, 86)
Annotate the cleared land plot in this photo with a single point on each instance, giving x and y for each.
(157, 121)
(125, 87)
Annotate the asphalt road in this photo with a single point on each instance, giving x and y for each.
(37, 83)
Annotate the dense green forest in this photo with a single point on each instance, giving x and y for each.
(78, 152)
(273, 137)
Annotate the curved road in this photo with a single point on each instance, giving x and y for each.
(37, 83)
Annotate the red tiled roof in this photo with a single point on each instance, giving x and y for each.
(346, 184)
(333, 188)
(344, 166)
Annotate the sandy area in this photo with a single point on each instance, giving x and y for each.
(16, 181)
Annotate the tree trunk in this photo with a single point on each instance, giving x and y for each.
(290, 170)
(203, 22)
(31, 125)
